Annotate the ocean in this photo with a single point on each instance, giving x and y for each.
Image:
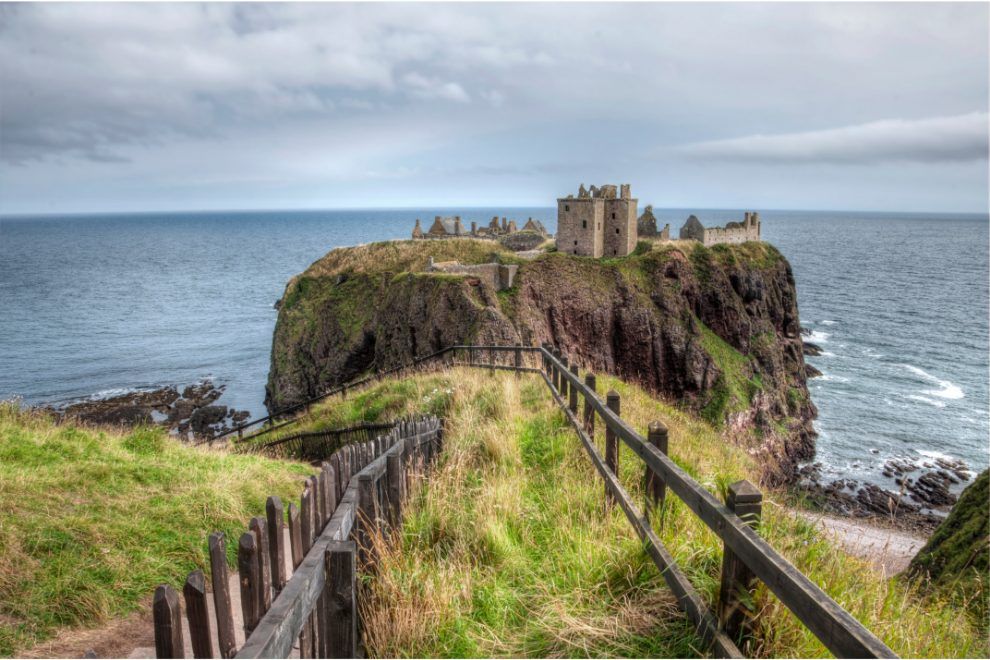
(100, 304)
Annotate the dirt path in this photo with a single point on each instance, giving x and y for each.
(888, 550)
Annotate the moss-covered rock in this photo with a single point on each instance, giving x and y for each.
(959, 549)
(714, 329)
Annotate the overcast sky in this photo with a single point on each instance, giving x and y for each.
(227, 106)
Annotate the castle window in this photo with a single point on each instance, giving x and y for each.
(584, 224)
(575, 242)
(613, 216)
(567, 207)
(616, 230)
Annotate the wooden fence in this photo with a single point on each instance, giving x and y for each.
(314, 445)
(303, 594)
(747, 558)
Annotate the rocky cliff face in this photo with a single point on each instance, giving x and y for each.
(714, 329)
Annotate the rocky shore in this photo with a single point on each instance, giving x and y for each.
(923, 499)
(191, 410)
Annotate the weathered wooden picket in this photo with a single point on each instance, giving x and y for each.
(747, 558)
(303, 596)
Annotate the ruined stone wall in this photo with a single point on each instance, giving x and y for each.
(620, 227)
(497, 276)
(579, 226)
(731, 235)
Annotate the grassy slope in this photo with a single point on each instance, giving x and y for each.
(507, 551)
(92, 520)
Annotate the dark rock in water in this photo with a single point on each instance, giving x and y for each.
(805, 332)
(278, 304)
(811, 349)
(203, 394)
(192, 410)
(239, 416)
(957, 552)
(811, 372)
(204, 418)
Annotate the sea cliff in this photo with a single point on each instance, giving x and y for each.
(715, 330)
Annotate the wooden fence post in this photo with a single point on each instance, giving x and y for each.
(366, 518)
(656, 489)
(735, 611)
(198, 615)
(221, 596)
(247, 567)
(259, 528)
(563, 377)
(573, 390)
(306, 532)
(589, 410)
(393, 466)
(611, 443)
(341, 575)
(518, 360)
(276, 542)
(168, 623)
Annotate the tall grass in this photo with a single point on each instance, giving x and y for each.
(92, 519)
(508, 549)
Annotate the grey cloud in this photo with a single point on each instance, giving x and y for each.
(936, 139)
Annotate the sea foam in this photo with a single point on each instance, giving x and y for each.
(946, 389)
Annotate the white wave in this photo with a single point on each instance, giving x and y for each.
(946, 389)
(931, 453)
(827, 322)
(826, 354)
(833, 378)
(818, 337)
(925, 399)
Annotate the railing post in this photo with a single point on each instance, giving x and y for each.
(656, 489)
(198, 615)
(573, 390)
(221, 596)
(393, 467)
(518, 358)
(366, 518)
(259, 528)
(611, 443)
(168, 623)
(589, 410)
(248, 568)
(738, 583)
(563, 376)
(341, 582)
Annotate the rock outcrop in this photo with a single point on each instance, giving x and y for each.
(714, 329)
(959, 549)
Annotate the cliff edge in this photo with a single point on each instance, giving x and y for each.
(714, 329)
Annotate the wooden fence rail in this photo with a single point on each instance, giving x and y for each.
(358, 490)
(747, 558)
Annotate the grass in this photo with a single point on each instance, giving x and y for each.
(734, 390)
(91, 520)
(507, 550)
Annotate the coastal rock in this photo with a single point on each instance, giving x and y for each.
(714, 328)
(811, 372)
(163, 406)
(811, 349)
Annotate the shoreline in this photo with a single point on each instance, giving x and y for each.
(889, 549)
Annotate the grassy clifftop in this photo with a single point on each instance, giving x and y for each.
(715, 329)
(91, 520)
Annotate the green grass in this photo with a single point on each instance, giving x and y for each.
(92, 520)
(734, 390)
(508, 551)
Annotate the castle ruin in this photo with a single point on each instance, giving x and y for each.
(452, 227)
(733, 232)
(597, 222)
(498, 276)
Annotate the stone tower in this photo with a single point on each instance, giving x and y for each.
(597, 223)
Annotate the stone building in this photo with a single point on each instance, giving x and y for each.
(498, 276)
(453, 228)
(598, 222)
(647, 226)
(733, 232)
